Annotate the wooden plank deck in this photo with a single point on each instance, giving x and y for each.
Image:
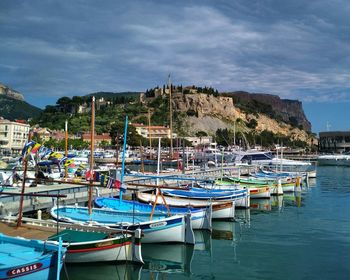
(24, 231)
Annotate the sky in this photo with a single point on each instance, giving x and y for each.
(294, 49)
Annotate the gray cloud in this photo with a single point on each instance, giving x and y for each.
(294, 49)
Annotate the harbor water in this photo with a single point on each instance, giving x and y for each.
(304, 236)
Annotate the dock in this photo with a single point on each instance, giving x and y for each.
(78, 194)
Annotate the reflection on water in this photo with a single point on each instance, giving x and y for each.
(223, 230)
(167, 258)
(230, 244)
(202, 241)
(276, 203)
(93, 271)
(263, 204)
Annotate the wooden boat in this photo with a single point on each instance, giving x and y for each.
(220, 209)
(259, 192)
(254, 191)
(200, 217)
(29, 259)
(246, 180)
(161, 229)
(276, 186)
(83, 243)
(240, 196)
(88, 247)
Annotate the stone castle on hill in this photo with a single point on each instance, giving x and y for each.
(4, 90)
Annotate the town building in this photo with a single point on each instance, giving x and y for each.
(85, 108)
(43, 133)
(13, 135)
(153, 131)
(200, 141)
(99, 138)
(334, 141)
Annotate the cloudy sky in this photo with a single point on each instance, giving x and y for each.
(296, 49)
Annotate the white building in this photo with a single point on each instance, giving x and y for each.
(13, 135)
(154, 131)
(200, 141)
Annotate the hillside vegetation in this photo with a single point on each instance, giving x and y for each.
(197, 111)
(13, 109)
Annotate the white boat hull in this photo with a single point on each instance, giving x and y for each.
(119, 253)
(201, 219)
(176, 228)
(163, 233)
(224, 211)
(260, 192)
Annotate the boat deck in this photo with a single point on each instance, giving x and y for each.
(24, 231)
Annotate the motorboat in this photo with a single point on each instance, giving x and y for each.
(335, 160)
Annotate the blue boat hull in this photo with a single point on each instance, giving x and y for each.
(160, 229)
(28, 259)
(200, 217)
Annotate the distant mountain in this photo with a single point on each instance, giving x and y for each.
(12, 109)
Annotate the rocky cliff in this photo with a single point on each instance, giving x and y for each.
(289, 111)
(5, 90)
(208, 113)
(13, 106)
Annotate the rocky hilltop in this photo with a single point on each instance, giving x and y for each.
(6, 91)
(13, 106)
(268, 112)
(289, 111)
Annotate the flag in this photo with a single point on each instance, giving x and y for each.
(123, 187)
(46, 153)
(89, 175)
(117, 184)
(42, 151)
(110, 183)
(97, 176)
(103, 179)
(68, 162)
(35, 148)
(55, 155)
(26, 149)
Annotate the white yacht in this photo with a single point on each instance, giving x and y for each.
(336, 159)
(265, 158)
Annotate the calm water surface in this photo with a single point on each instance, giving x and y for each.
(294, 237)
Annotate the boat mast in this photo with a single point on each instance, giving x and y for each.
(20, 211)
(66, 148)
(149, 134)
(123, 159)
(234, 134)
(92, 144)
(117, 152)
(281, 157)
(170, 118)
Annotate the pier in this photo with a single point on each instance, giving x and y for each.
(78, 194)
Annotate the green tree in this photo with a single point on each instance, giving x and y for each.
(252, 124)
(65, 103)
